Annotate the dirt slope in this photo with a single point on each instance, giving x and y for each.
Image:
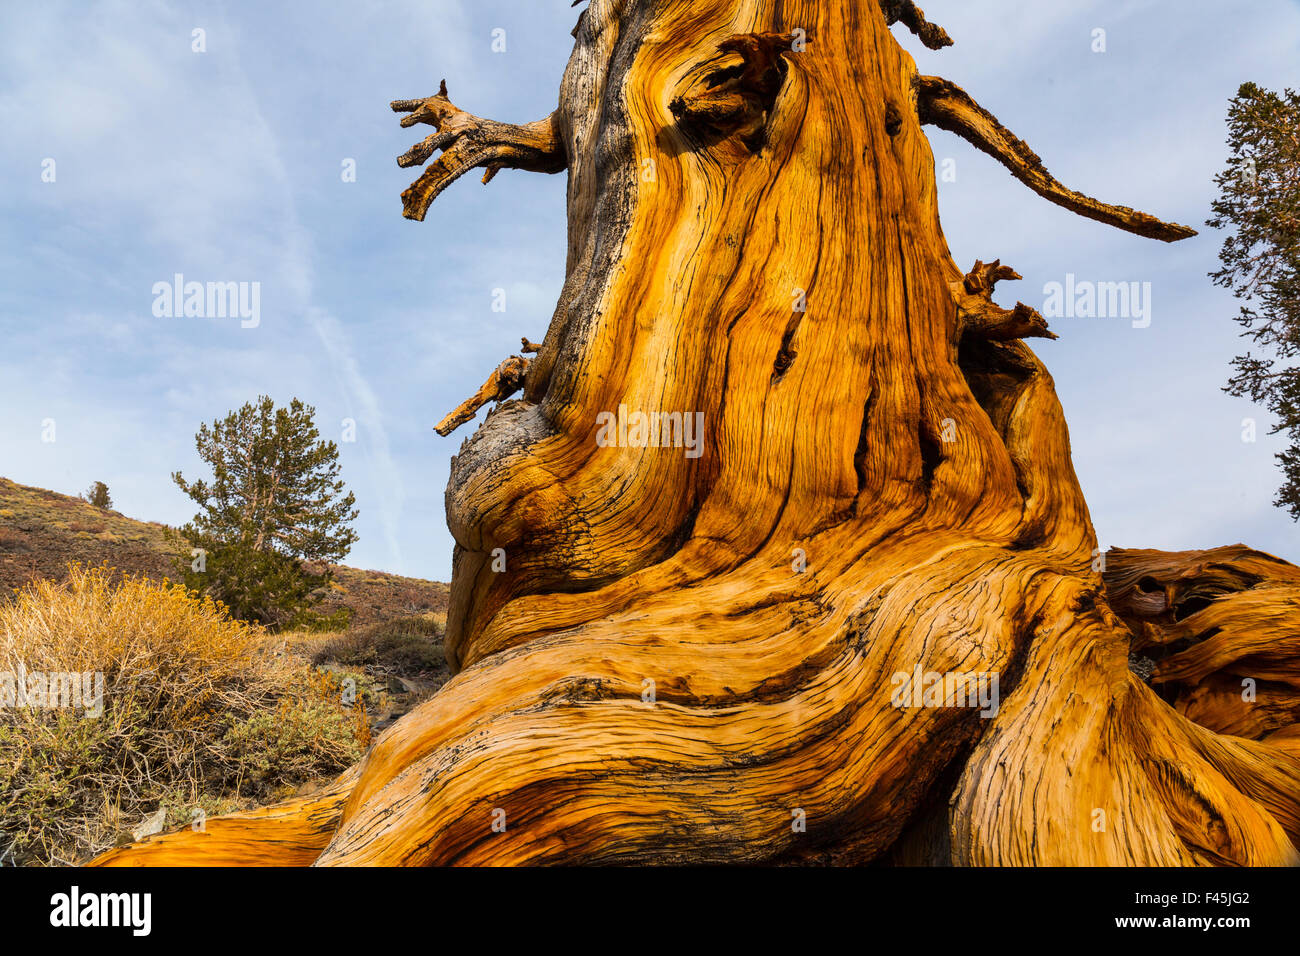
(42, 531)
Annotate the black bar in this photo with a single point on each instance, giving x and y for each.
(651, 907)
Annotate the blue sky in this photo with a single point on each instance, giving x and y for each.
(226, 165)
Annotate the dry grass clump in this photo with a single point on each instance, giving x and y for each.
(407, 645)
(199, 713)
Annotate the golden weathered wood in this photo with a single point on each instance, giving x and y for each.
(466, 141)
(287, 834)
(690, 649)
(1220, 628)
(944, 104)
(507, 379)
(981, 317)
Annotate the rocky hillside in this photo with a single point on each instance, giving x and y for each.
(42, 531)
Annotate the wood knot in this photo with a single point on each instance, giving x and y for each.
(893, 120)
(737, 100)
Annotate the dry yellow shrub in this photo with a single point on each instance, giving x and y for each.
(196, 710)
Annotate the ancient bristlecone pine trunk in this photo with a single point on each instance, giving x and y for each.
(670, 654)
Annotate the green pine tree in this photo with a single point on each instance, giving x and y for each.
(1259, 198)
(272, 516)
(97, 495)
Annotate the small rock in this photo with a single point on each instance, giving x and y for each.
(152, 824)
